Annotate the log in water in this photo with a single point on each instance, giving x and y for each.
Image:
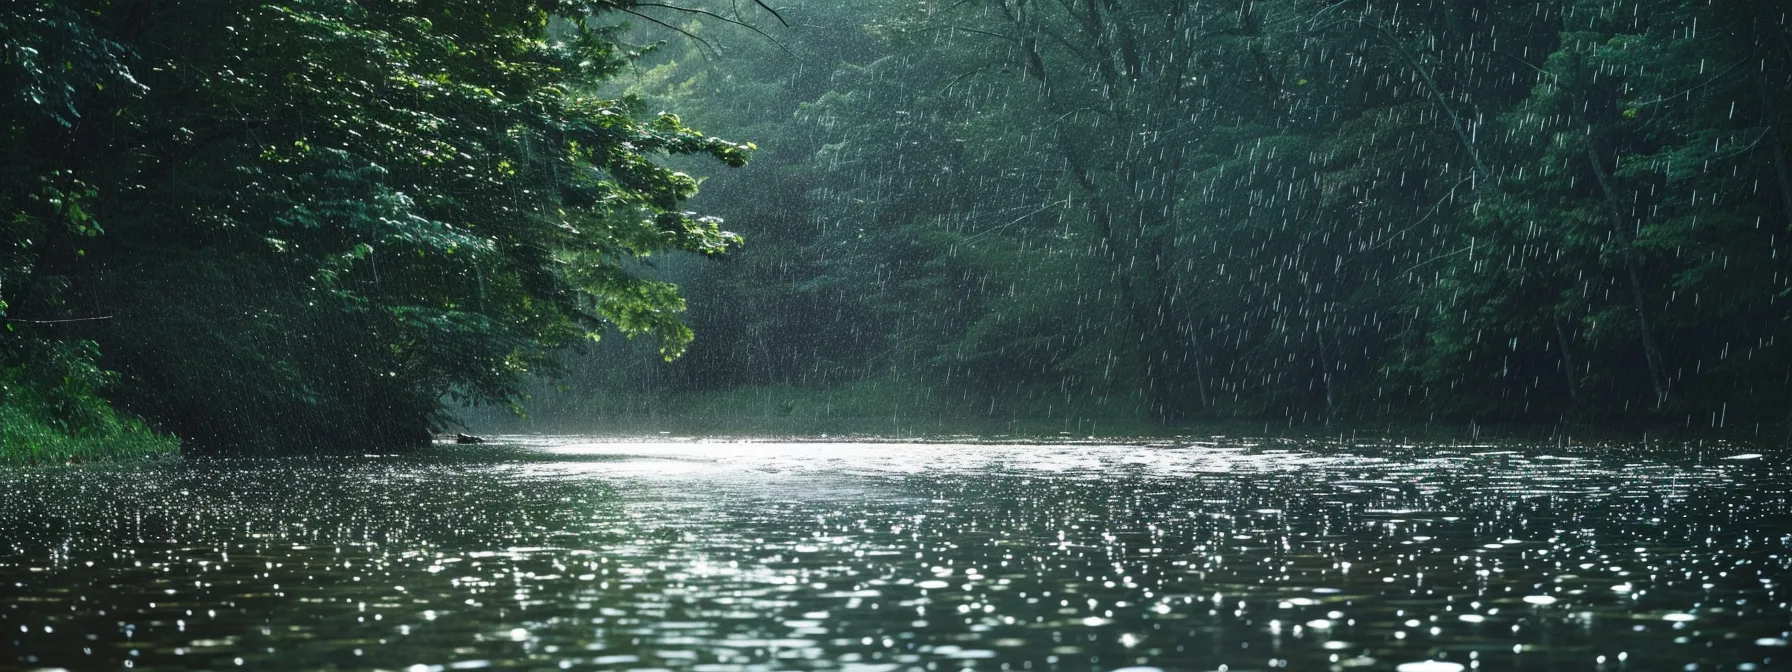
(1189, 555)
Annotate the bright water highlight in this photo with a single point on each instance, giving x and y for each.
(575, 553)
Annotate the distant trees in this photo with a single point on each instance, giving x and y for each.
(305, 223)
(1638, 217)
(1491, 209)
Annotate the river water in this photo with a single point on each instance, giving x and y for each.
(1224, 554)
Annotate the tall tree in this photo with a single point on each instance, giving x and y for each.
(322, 218)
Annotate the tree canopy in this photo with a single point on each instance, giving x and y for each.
(1283, 209)
(319, 225)
(301, 225)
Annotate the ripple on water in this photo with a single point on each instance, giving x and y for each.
(692, 555)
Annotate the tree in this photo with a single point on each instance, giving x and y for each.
(1620, 256)
(1281, 209)
(322, 218)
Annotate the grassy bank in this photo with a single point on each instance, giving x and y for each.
(27, 439)
(59, 424)
(28, 436)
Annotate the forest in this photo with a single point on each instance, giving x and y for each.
(1337, 213)
(316, 226)
(330, 226)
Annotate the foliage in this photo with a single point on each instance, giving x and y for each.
(303, 225)
(51, 411)
(320, 218)
(1336, 211)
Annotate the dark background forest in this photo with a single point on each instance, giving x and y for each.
(1318, 212)
(329, 226)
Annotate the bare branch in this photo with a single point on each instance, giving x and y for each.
(985, 32)
(676, 29)
(63, 321)
(773, 12)
(960, 78)
(718, 17)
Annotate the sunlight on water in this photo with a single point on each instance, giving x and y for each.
(1218, 554)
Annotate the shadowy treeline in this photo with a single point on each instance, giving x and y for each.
(1490, 210)
(316, 226)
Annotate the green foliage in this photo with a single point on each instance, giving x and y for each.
(305, 224)
(51, 411)
(1343, 211)
(322, 219)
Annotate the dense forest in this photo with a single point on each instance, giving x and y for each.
(315, 226)
(322, 225)
(1346, 211)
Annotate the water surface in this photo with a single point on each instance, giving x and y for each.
(1219, 554)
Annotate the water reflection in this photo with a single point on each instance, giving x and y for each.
(562, 553)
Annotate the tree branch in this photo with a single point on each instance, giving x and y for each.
(676, 29)
(773, 12)
(704, 12)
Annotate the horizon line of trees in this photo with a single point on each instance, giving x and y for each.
(1497, 210)
(311, 225)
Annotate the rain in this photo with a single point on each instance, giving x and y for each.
(1122, 335)
(1203, 554)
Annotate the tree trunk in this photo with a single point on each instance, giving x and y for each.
(1658, 378)
(1326, 367)
(1567, 359)
(1778, 148)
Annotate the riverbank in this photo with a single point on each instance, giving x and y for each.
(32, 438)
(875, 408)
(887, 410)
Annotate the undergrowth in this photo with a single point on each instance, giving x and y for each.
(51, 411)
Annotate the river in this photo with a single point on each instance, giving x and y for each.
(1213, 554)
